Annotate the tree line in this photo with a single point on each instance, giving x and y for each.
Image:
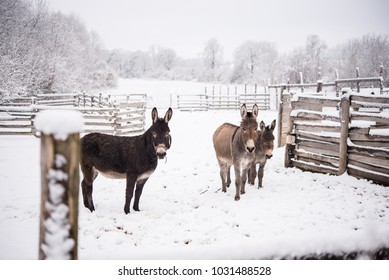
(260, 62)
(43, 51)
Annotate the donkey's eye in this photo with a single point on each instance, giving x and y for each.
(167, 134)
(244, 130)
(154, 134)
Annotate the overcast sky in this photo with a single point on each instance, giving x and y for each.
(186, 26)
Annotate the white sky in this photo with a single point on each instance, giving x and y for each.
(186, 26)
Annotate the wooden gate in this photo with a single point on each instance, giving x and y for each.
(332, 135)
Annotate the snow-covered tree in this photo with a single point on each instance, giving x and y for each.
(212, 61)
(42, 51)
(254, 61)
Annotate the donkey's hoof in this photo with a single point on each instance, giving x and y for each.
(237, 198)
(91, 208)
(136, 209)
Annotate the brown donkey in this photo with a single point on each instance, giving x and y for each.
(235, 146)
(263, 152)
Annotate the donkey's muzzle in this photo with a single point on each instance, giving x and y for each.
(250, 146)
(161, 151)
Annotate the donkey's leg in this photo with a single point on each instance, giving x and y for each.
(243, 179)
(223, 175)
(87, 186)
(237, 181)
(138, 193)
(260, 175)
(228, 176)
(252, 172)
(131, 179)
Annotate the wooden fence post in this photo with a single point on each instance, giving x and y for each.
(301, 81)
(344, 112)
(284, 122)
(357, 74)
(336, 83)
(382, 79)
(60, 144)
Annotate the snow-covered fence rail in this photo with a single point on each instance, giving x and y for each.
(117, 114)
(332, 135)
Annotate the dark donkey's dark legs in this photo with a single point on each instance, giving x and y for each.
(87, 186)
(138, 193)
(131, 180)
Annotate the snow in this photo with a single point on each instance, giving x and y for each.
(60, 123)
(184, 214)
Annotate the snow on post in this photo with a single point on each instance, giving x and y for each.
(60, 144)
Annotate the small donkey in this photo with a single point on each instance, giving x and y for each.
(235, 146)
(132, 158)
(264, 150)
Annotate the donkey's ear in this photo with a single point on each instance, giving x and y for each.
(273, 125)
(243, 111)
(255, 111)
(262, 126)
(168, 115)
(154, 115)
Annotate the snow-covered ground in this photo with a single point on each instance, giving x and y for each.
(184, 214)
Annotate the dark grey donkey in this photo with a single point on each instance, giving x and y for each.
(131, 158)
(263, 152)
(235, 145)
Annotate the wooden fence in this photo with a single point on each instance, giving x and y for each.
(204, 102)
(116, 114)
(356, 83)
(332, 135)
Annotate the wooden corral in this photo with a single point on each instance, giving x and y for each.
(334, 135)
(116, 114)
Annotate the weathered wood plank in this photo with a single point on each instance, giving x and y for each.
(370, 99)
(359, 130)
(369, 138)
(316, 102)
(314, 168)
(317, 158)
(320, 145)
(317, 128)
(321, 138)
(369, 159)
(355, 116)
(311, 115)
(364, 174)
(368, 166)
(376, 152)
(12, 126)
(318, 150)
(371, 144)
